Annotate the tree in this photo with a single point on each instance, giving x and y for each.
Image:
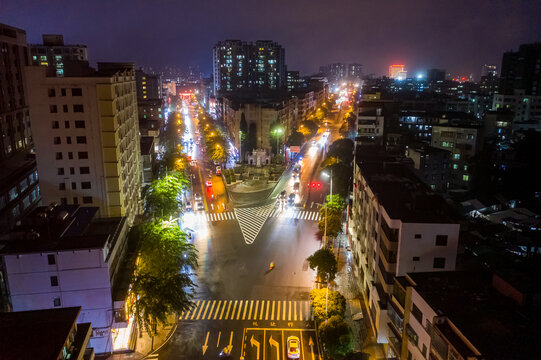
(161, 283)
(334, 207)
(327, 304)
(334, 224)
(336, 336)
(342, 149)
(325, 262)
(162, 197)
(342, 176)
(295, 139)
(308, 128)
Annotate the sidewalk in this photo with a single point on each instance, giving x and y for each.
(145, 345)
(346, 284)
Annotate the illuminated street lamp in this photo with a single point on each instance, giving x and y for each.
(277, 132)
(325, 232)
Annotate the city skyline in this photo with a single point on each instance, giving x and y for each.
(427, 35)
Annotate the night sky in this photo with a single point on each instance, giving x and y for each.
(457, 35)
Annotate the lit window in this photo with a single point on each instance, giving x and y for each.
(456, 156)
(465, 177)
(455, 166)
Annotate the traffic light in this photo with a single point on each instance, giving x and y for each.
(315, 185)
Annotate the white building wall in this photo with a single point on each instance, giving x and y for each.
(83, 280)
(420, 329)
(425, 247)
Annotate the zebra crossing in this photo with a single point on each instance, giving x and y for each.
(275, 213)
(254, 310)
(296, 214)
(251, 220)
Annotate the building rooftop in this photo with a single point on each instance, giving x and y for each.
(402, 194)
(61, 228)
(490, 321)
(38, 334)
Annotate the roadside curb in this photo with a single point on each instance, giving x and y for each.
(166, 340)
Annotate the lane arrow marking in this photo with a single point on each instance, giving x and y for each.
(255, 343)
(274, 343)
(311, 344)
(205, 347)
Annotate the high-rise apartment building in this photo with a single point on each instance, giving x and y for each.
(521, 70)
(88, 145)
(293, 80)
(19, 190)
(355, 71)
(53, 52)
(397, 226)
(240, 65)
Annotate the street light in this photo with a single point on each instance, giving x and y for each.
(277, 132)
(330, 176)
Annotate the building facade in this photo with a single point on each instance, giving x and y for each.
(53, 52)
(521, 70)
(397, 226)
(240, 65)
(19, 188)
(88, 148)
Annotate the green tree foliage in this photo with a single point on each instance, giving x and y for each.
(295, 139)
(336, 336)
(161, 282)
(336, 304)
(324, 261)
(309, 125)
(334, 207)
(334, 225)
(342, 149)
(162, 197)
(342, 175)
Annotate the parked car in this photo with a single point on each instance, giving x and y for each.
(293, 347)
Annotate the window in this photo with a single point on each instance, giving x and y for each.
(85, 185)
(60, 171)
(70, 155)
(84, 170)
(417, 314)
(55, 125)
(51, 259)
(54, 281)
(72, 171)
(53, 109)
(63, 91)
(465, 177)
(74, 186)
(76, 92)
(79, 124)
(81, 139)
(58, 156)
(82, 155)
(67, 124)
(439, 263)
(61, 186)
(75, 200)
(57, 140)
(65, 108)
(416, 258)
(441, 240)
(456, 156)
(68, 139)
(87, 199)
(52, 93)
(78, 108)
(417, 236)
(424, 350)
(455, 166)
(56, 302)
(64, 201)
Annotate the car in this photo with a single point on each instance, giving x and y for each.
(197, 197)
(199, 205)
(283, 194)
(208, 183)
(194, 162)
(295, 174)
(291, 199)
(188, 206)
(218, 170)
(296, 187)
(226, 352)
(293, 347)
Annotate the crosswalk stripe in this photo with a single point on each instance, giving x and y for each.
(295, 310)
(278, 311)
(289, 313)
(240, 308)
(245, 308)
(301, 310)
(205, 311)
(228, 309)
(233, 313)
(223, 309)
(256, 306)
(195, 310)
(217, 309)
(272, 312)
(262, 308)
(250, 312)
(211, 309)
(284, 311)
(267, 312)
